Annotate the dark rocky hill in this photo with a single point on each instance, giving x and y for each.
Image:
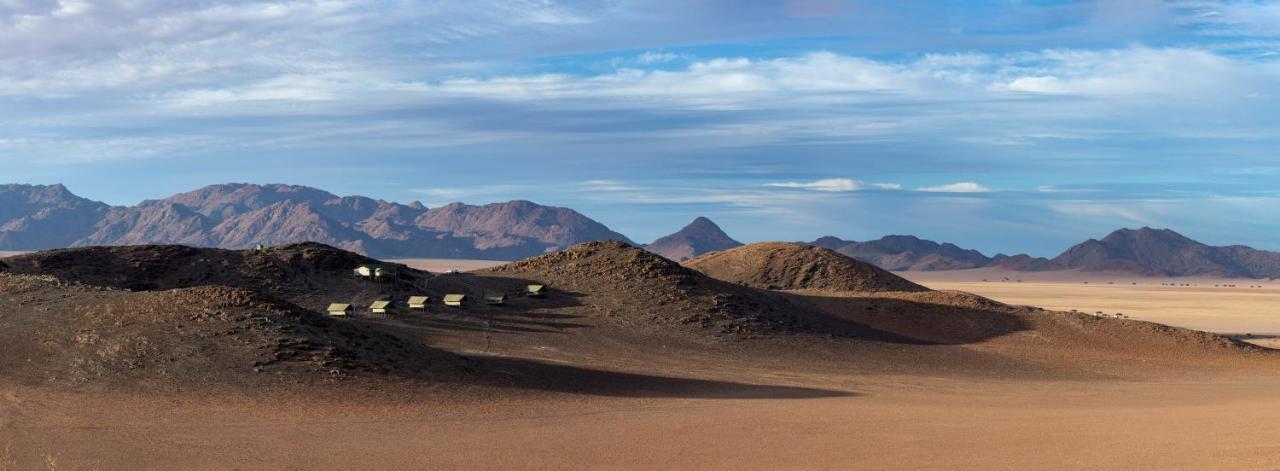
(790, 266)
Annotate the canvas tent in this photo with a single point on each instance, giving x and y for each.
(380, 307)
(455, 300)
(418, 302)
(339, 309)
(535, 291)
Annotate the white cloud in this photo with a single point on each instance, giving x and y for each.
(1135, 71)
(606, 185)
(713, 83)
(961, 187)
(829, 184)
(1054, 189)
(835, 185)
(1139, 212)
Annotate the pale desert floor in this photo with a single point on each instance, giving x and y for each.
(1209, 304)
(438, 265)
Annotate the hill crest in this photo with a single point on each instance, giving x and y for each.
(792, 266)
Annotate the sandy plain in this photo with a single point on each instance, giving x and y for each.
(438, 265)
(1241, 308)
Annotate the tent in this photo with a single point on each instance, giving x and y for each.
(455, 300)
(535, 291)
(418, 302)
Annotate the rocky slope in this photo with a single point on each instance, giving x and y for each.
(68, 333)
(310, 275)
(699, 237)
(637, 289)
(788, 266)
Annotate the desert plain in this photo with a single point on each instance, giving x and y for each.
(590, 379)
(1247, 309)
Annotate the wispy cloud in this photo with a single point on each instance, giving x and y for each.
(835, 185)
(961, 187)
(1232, 17)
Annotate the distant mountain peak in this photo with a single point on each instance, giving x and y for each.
(1148, 234)
(698, 237)
(703, 226)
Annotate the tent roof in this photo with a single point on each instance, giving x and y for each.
(380, 304)
(339, 307)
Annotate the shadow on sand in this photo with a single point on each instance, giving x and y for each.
(918, 322)
(535, 375)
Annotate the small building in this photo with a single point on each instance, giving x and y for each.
(376, 272)
(455, 300)
(495, 299)
(535, 291)
(339, 309)
(380, 307)
(419, 302)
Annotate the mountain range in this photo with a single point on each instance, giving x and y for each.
(1162, 252)
(1144, 251)
(239, 215)
(243, 215)
(904, 252)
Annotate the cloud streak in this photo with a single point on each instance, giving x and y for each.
(961, 187)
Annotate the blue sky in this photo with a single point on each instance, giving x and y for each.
(1006, 126)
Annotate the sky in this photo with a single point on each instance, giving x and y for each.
(1005, 126)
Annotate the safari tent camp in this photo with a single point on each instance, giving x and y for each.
(535, 291)
(455, 300)
(339, 309)
(495, 299)
(418, 302)
(380, 307)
